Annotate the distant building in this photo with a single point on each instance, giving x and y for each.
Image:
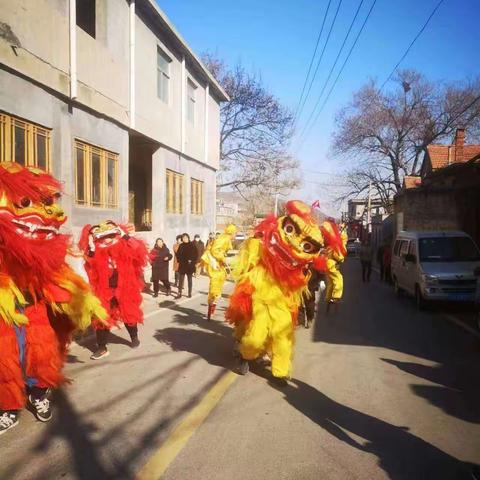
(111, 100)
(356, 217)
(232, 208)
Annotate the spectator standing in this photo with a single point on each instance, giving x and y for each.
(187, 260)
(366, 257)
(160, 257)
(178, 241)
(211, 238)
(200, 246)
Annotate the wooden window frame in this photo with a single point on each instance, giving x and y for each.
(196, 196)
(191, 100)
(174, 192)
(105, 156)
(165, 76)
(8, 123)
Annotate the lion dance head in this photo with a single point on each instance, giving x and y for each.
(32, 248)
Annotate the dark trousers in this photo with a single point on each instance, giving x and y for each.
(181, 282)
(388, 274)
(309, 305)
(176, 278)
(102, 335)
(366, 270)
(156, 286)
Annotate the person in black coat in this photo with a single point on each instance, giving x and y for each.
(187, 256)
(160, 257)
(200, 250)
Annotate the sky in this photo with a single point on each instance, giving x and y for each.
(276, 39)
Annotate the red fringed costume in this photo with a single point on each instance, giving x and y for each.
(114, 262)
(42, 301)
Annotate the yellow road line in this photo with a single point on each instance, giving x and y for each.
(173, 445)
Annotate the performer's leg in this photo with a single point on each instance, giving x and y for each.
(309, 310)
(282, 332)
(133, 331)
(43, 362)
(12, 387)
(252, 343)
(102, 339)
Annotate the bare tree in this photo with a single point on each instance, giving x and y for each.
(387, 133)
(255, 133)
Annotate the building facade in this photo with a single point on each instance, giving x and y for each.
(107, 96)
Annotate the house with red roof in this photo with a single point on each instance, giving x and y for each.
(446, 194)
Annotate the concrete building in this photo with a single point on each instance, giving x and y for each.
(107, 96)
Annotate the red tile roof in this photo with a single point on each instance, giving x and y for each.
(444, 155)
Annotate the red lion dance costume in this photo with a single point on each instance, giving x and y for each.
(114, 262)
(42, 301)
(272, 274)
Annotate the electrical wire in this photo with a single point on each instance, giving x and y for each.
(412, 43)
(334, 65)
(312, 59)
(321, 57)
(339, 72)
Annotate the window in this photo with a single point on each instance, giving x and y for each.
(24, 142)
(448, 249)
(174, 192)
(96, 176)
(163, 75)
(404, 247)
(86, 18)
(191, 87)
(196, 197)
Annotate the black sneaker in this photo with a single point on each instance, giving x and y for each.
(8, 420)
(41, 408)
(99, 353)
(135, 342)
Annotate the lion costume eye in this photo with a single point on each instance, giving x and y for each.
(289, 228)
(307, 247)
(25, 202)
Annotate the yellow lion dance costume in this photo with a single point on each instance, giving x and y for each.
(272, 274)
(215, 262)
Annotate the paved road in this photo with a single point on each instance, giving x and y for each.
(380, 390)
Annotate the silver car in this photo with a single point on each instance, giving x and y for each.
(436, 266)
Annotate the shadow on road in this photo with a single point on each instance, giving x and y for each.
(372, 315)
(401, 454)
(458, 389)
(214, 342)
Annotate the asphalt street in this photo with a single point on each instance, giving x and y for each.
(379, 390)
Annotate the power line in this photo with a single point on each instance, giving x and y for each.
(313, 58)
(341, 70)
(321, 57)
(334, 65)
(412, 43)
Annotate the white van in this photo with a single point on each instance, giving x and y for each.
(435, 266)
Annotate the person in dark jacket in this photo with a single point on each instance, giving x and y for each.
(187, 261)
(200, 246)
(308, 299)
(160, 257)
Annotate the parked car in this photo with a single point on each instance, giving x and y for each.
(435, 266)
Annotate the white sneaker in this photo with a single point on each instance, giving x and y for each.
(8, 420)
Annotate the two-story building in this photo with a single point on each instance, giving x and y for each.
(107, 96)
